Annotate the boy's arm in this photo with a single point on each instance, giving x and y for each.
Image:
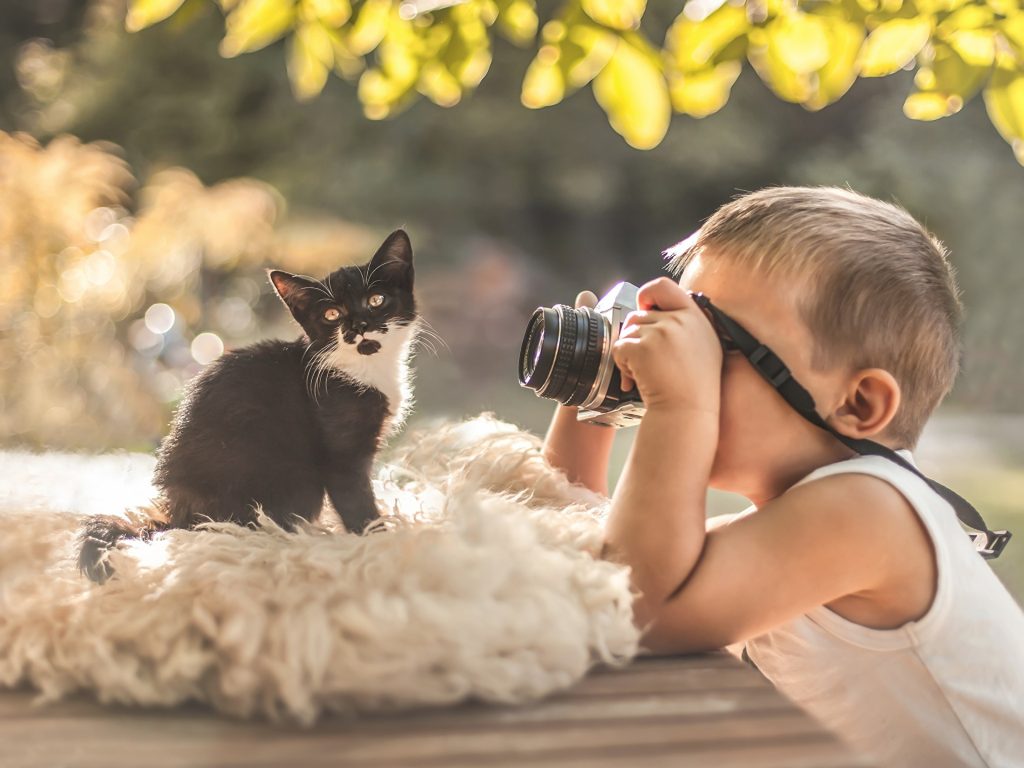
(579, 449)
(852, 536)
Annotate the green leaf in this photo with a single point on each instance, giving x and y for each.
(893, 45)
(144, 13)
(1004, 100)
(254, 24)
(632, 91)
(617, 14)
(703, 93)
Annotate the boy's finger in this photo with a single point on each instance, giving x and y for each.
(664, 294)
(586, 299)
(619, 353)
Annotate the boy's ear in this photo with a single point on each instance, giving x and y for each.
(296, 292)
(394, 256)
(872, 399)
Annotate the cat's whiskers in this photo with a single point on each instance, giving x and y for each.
(318, 371)
(426, 335)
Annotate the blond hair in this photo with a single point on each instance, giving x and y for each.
(876, 288)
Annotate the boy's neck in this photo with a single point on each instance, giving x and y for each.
(800, 466)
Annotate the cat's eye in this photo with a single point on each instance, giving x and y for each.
(331, 314)
(376, 300)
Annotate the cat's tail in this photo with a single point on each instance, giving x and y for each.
(101, 533)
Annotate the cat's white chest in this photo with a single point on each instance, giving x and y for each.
(387, 370)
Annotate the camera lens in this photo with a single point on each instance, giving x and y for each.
(561, 353)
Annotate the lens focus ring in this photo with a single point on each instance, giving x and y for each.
(591, 354)
(566, 344)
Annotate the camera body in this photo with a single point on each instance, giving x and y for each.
(567, 356)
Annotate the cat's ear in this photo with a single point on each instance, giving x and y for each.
(395, 256)
(296, 292)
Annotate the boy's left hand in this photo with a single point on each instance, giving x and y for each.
(669, 350)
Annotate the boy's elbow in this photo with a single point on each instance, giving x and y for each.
(672, 626)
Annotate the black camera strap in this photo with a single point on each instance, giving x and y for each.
(989, 543)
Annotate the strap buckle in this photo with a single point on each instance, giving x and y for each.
(990, 544)
(778, 377)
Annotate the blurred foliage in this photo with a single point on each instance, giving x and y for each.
(104, 313)
(808, 52)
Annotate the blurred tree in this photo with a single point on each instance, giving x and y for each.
(808, 52)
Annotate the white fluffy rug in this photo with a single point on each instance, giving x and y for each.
(485, 585)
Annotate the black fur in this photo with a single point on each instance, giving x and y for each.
(260, 426)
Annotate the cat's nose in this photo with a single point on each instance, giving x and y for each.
(361, 326)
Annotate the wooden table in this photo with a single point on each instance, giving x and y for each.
(705, 710)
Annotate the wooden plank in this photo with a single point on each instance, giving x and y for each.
(631, 706)
(45, 743)
(699, 710)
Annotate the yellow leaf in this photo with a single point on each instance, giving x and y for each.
(894, 44)
(439, 85)
(346, 63)
(398, 62)
(1004, 100)
(1004, 7)
(310, 58)
(143, 13)
(931, 106)
(787, 84)
(617, 14)
(517, 19)
(370, 26)
(333, 13)
(633, 93)
(953, 75)
(840, 72)
(703, 93)
(543, 85)
(594, 46)
(254, 24)
(800, 41)
(692, 44)
(977, 47)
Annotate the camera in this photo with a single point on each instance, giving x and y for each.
(567, 356)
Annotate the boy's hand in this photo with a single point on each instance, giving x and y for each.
(669, 350)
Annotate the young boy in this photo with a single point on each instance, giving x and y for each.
(849, 583)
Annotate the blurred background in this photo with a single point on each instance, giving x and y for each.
(146, 182)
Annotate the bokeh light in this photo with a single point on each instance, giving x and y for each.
(160, 318)
(207, 347)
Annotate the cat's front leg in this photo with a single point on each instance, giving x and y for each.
(352, 496)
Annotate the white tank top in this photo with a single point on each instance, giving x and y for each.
(947, 690)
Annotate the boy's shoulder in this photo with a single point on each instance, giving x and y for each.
(867, 523)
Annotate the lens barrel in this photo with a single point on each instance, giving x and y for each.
(561, 353)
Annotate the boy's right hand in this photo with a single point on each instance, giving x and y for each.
(666, 331)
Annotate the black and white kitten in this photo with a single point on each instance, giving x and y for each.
(278, 423)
